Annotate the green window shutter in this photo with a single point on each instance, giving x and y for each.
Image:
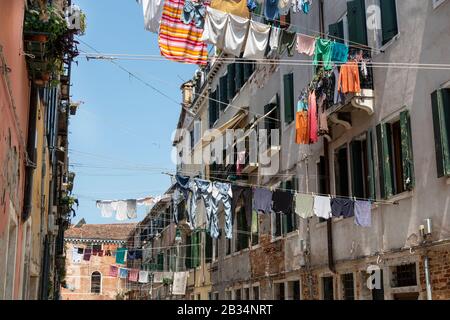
(388, 20)
(440, 103)
(188, 260)
(239, 76)
(357, 25)
(248, 70)
(160, 262)
(407, 151)
(356, 169)
(213, 108)
(208, 248)
(371, 164)
(384, 161)
(223, 92)
(336, 31)
(194, 252)
(231, 72)
(288, 80)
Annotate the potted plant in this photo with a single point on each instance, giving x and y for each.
(45, 29)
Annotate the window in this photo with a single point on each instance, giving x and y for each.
(228, 294)
(293, 290)
(231, 86)
(440, 102)
(327, 288)
(289, 111)
(197, 131)
(188, 261)
(255, 293)
(237, 294)
(395, 156)
(272, 121)
(208, 248)
(341, 171)
(322, 176)
(357, 25)
(362, 167)
(336, 31)
(213, 108)
(223, 92)
(277, 224)
(255, 228)
(213, 295)
(195, 250)
(404, 276)
(348, 286)
(96, 282)
(389, 28)
(246, 294)
(242, 229)
(279, 291)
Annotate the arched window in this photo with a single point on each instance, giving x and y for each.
(96, 282)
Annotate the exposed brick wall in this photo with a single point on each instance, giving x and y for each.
(439, 260)
(268, 259)
(306, 294)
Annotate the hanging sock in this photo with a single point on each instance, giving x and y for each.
(257, 39)
(271, 10)
(236, 7)
(323, 53)
(152, 14)
(216, 23)
(235, 35)
(287, 42)
(306, 45)
(178, 41)
(193, 11)
(274, 38)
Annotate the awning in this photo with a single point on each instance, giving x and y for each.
(230, 124)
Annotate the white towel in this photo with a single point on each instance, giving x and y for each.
(322, 207)
(107, 208)
(258, 37)
(131, 209)
(235, 34)
(274, 37)
(216, 22)
(121, 213)
(152, 14)
(143, 277)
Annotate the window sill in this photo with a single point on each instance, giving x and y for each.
(276, 239)
(401, 196)
(255, 247)
(291, 234)
(384, 47)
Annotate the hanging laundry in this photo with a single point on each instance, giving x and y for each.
(323, 53)
(201, 189)
(87, 254)
(282, 201)
(312, 117)
(123, 273)
(255, 222)
(235, 7)
(221, 192)
(257, 39)
(133, 275)
(215, 28)
(194, 11)
(349, 78)
(131, 209)
(149, 201)
(322, 207)
(284, 6)
(323, 118)
(304, 205)
(122, 210)
(143, 277)
(158, 277)
(80, 250)
(262, 200)
(274, 38)
(120, 255)
(131, 255)
(339, 53)
(178, 41)
(342, 207)
(251, 5)
(306, 45)
(245, 194)
(235, 34)
(240, 161)
(179, 283)
(305, 5)
(271, 10)
(287, 42)
(301, 127)
(107, 208)
(76, 257)
(363, 213)
(113, 271)
(339, 97)
(152, 14)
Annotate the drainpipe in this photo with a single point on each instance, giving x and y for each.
(331, 265)
(428, 278)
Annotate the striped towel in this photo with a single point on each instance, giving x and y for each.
(178, 41)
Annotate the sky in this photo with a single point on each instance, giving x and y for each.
(120, 138)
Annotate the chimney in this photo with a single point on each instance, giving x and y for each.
(187, 93)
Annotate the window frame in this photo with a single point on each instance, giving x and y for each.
(98, 274)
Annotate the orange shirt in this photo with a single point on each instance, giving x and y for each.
(301, 128)
(349, 78)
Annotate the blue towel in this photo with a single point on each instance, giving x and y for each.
(271, 10)
(339, 53)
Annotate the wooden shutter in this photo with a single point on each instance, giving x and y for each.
(195, 252)
(288, 80)
(223, 85)
(239, 76)
(357, 25)
(357, 169)
(188, 260)
(208, 248)
(407, 151)
(384, 161)
(212, 108)
(388, 20)
(231, 81)
(371, 164)
(336, 31)
(440, 103)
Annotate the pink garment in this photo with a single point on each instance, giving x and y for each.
(133, 275)
(240, 161)
(306, 45)
(113, 271)
(312, 118)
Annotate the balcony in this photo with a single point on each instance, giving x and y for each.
(340, 113)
